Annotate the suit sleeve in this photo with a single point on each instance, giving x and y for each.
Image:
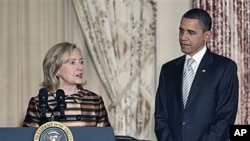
(226, 108)
(161, 118)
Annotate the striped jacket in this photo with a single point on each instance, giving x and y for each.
(82, 109)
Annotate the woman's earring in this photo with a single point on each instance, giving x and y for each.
(57, 75)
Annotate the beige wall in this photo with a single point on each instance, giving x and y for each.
(169, 14)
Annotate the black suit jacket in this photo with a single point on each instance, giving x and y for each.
(212, 104)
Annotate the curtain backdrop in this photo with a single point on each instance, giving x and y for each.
(231, 27)
(120, 37)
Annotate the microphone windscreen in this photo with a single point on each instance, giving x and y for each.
(43, 93)
(43, 99)
(60, 94)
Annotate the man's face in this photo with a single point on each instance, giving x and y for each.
(191, 36)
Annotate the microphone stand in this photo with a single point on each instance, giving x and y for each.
(52, 117)
(43, 119)
(62, 117)
(61, 107)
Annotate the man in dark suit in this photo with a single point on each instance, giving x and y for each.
(212, 101)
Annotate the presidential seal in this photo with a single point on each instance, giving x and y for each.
(53, 131)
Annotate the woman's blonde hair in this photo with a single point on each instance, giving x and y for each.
(53, 60)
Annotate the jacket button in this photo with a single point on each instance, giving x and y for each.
(183, 123)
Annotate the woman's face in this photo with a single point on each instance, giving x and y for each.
(71, 71)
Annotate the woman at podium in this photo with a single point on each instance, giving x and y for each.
(62, 96)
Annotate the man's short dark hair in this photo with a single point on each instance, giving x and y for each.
(201, 15)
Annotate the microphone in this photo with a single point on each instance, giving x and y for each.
(61, 104)
(43, 104)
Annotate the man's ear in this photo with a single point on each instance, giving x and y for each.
(208, 35)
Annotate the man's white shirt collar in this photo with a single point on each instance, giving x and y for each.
(197, 57)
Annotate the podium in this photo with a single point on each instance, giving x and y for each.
(79, 133)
